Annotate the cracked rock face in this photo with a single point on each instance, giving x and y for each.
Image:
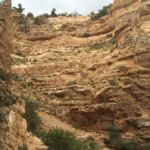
(6, 97)
(132, 34)
(12, 125)
(86, 82)
(95, 81)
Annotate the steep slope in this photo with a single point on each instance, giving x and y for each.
(12, 125)
(124, 96)
(91, 74)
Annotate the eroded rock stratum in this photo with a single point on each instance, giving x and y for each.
(85, 75)
(12, 125)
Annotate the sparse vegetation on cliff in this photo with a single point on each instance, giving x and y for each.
(118, 143)
(84, 74)
(102, 12)
(3, 75)
(53, 13)
(23, 147)
(31, 116)
(30, 15)
(58, 139)
(19, 9)
(85, 34)
(39, 20)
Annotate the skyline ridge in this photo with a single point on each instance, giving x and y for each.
(83, 7)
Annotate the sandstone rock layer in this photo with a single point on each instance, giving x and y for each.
(86, 74)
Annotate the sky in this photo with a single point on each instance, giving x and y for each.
(83, 7)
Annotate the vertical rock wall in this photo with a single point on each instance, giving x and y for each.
(12, 125)
(5, 34)
(126, 98)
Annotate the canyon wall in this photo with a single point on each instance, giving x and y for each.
(131, 20)
(12, 125)
(92, 88)
(124, 81)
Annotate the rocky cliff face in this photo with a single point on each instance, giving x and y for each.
(126, 98)
(12, 125)
(131, 20)
(90, 74)
(5, 45)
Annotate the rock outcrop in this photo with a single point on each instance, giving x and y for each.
(12, 125)
(127, 96)
(94, 74)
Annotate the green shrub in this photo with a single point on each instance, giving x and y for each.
(23, 147)
(30, 15)
(3, 75)
(89, 144)
(113, 81)
(31, 116)
(118, 143)
(132, 123)
(27, 84)
(96, 46)
(58, 139)
(114, 136)
(85, 34)
(63, 14)
(19, 60)
(104, 11)
(19, 53)
(109, 35)
(39, 20)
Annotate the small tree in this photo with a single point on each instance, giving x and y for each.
(115, 136)
(104, 11)
(20, 9)
(39, 20)
(31, 116)
(53, 13)
(30, 15)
